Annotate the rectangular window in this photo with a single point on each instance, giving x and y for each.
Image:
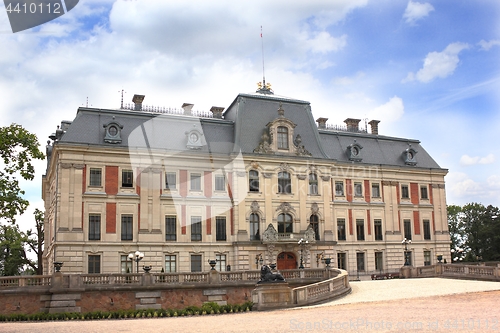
(405, 194)
(407, 229)
(341, 260)
(339, 189)
(196, 228)
(127, 227)
(377, 224)
(360, 261)
(196, 263)
(127, 178)
(313, 184)
(341, 229)
(195, 182)
(379, 263)
(125, 264)
(427, 258)
(221, 262)
(253, 181)
(171, 180)
(427, 230)
(220, 183)
(254, 227)
(360, 229)
(284, 183)
(220, 228)
(358, 189)
(94, 262)
(282, 137)
(376, 190)
(170, 228)
(423, 193)
(94, 226)
(95, 177)
(170, 263)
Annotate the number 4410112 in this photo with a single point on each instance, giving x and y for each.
(33, 8)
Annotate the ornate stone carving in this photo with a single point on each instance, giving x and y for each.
(254, 207)
(264, 146)
(194, 137)
(314, 208)
(325, 178)
(285, 207)
(254, 164)
(310, 235)
(300, 148)
(301, 177)
(284, 167)
(271, 234)
(267, 174)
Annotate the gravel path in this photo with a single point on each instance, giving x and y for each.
(418, 305)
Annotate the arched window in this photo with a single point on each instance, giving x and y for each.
(313, 184)
(253, 181)
(254, 227)
(285, 224)
(284, 182)
(282, 137)
(314, 221)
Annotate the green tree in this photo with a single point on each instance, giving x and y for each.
(458, 235)
(12, 252)
(18, 148)
(35, 241)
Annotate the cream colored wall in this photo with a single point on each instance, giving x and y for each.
(64, 185)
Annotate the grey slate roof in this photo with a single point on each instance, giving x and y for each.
(244, 122)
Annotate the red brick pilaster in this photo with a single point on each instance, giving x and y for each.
(110, 217)
(111, 185)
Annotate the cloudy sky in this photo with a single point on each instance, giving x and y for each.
(429, 70)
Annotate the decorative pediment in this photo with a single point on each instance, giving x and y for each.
(314, 208)
(270, 234)
(354, 152)
(409, 156)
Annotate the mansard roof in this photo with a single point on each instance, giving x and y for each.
(241, 129)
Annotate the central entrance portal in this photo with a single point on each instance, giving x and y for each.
(286, 260)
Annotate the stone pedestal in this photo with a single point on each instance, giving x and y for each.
(272, 295)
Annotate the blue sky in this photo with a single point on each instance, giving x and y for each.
(429, 70)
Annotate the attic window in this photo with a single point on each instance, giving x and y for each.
(410, 156)
(282, 137)
(354, 152)
(112, 132)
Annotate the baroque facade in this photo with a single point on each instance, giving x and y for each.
(261, 182)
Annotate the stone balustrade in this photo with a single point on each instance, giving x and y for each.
(459, 271)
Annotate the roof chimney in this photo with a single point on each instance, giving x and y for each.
(217, 111)
(374, 125)
(352, 124)
(137, 99)
(321, 122)
(187, 108)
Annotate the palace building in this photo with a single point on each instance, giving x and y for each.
(258, 182)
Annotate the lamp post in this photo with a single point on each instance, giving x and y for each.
(259, 260)
(406, 242)
(302, 243)
(137, 256)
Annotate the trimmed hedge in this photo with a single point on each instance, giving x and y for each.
(210, 308)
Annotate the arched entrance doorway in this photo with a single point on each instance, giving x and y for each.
(287, 260)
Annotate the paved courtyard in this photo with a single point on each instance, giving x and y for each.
(414, 305)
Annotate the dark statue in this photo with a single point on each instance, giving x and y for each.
(266, 276)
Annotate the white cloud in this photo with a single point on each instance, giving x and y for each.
(485, 46)
(323, 42)
(416, 11)
(438, 64)
(391, 111)
(462, 189)
(467, 160)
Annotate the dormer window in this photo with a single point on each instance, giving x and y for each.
(409, 155)
(112, 132)
(282, 137)
(354, 152)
